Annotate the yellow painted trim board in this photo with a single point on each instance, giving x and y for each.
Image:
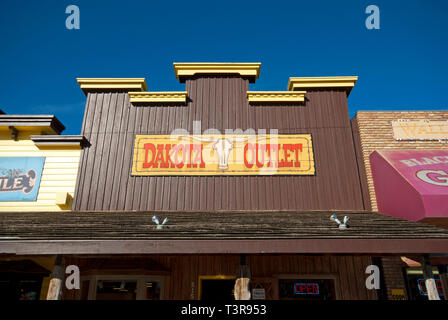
(192, 68)
(137, 84)
(276, 96)
(26, 131)
(321, 82)
(150, 97)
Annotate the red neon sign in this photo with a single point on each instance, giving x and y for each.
(306, 288)
(422, 287)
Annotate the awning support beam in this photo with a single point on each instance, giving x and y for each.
(443, 279)
(241, 289)
(429, 279)
(57, 279)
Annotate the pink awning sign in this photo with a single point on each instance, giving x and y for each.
(411, 184)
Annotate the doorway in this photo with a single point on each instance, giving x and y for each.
(122, 287)
(216, 288)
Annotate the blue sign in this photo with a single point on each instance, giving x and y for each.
(20, 178)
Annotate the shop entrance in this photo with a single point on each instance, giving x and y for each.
(120, 287)
(216, 288)
(21, 280)
(416, 287)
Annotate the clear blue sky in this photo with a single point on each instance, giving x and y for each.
(402, 66)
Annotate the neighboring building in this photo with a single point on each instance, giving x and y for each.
(379, 130)
(32, 144)
(404, 171)
(38, 170)
(248, 182)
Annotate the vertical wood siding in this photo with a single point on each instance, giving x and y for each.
(111, 122)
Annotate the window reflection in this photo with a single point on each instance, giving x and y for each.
(116, 290)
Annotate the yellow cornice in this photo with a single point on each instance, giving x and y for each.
(276, 96)
(161, 97)
(251, 70)
(322, 82)
(136, 84)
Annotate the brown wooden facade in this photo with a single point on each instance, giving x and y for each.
(218, 101)
(277, 225)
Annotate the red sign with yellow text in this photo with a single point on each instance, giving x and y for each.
(279, 154)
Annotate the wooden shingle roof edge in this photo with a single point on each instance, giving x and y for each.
(218, 233)
(206, 225)
(11, 120)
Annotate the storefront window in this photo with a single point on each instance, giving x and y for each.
(121, 287)
(416, 284)
(29, 289)
(116, 290)
(306, 289)
(216, 287)
(20, 289)
(217, 290)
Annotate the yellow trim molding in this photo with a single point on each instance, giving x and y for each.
(276, 96)
(190, 69)
(63, 200)
(322, 82)
(163, 97)
(137, 84)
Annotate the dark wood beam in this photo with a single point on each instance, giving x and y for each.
(430, 282)
(220, 246)
(58, 140)
(444, 279)
(50, 121)
(57, 279)
(241, 288)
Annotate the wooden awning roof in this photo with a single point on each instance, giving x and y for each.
(221, 232)
(23, 266)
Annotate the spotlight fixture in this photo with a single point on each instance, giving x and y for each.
(159, 225)
(342, 225)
